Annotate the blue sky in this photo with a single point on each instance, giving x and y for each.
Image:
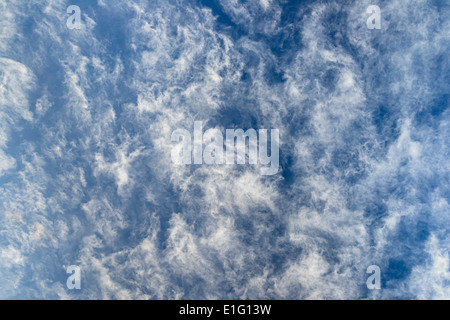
(86, 176)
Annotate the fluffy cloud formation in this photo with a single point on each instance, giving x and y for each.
(86, 176)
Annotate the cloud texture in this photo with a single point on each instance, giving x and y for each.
(86, 176)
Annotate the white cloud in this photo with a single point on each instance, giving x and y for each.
(91, 181)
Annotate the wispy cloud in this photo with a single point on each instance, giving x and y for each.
(86, 176)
